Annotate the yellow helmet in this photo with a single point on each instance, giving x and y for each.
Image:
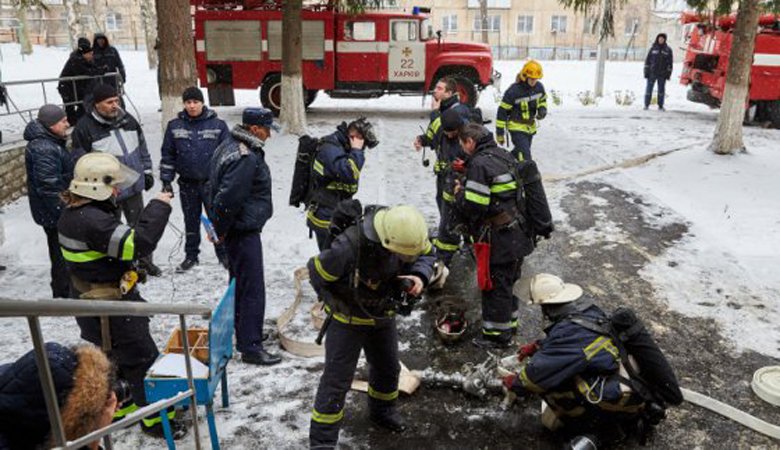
(95, 176)
(531, 69)
(402, 229)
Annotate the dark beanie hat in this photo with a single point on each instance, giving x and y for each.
(102, 92)
(84, 46)
(451, 120)
(192, 93)
(48, 115)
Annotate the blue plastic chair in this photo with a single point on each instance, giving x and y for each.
(220, 353)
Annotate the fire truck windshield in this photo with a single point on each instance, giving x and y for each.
(426, 30)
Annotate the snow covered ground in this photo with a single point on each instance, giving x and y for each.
(724, 268)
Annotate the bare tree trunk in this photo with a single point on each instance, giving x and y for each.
(603, 50)
(728, 132)
(293, 110)
(483, 17)
(149, 16)
(74, 26)
(177, 58)
(24, 32)
(99, 16)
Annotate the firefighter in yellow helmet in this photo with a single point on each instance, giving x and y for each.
(367, 276)
(523, 104)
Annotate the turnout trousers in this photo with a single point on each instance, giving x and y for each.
(343, 344)
(499, 305)
(522, 145)
(446, 242)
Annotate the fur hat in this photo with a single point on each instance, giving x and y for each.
(91, 387)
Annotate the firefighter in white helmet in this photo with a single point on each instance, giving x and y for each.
(384, 257)
(101, 253)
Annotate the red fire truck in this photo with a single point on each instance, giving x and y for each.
(707, 58)
(238, 45)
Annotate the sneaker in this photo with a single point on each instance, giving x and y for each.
(487, 343)
(151, 269)
(178, 430)
(187, 264)
(261, 358)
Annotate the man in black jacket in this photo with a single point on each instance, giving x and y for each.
(49, 171)
(80, 63)
(107, 57)
(100, 251)
(658, 67)
(241, 204)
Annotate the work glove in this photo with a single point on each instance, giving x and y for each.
(167, 187)
(459, 165)
(541, 113)
(500, 139)
(148, 181)
(509, 381)
(527, 350)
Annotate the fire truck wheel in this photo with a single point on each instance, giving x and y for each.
(772, 110)
(467, 92)
(311, 95)
(271, 93)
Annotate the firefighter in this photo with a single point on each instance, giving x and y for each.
(190, 141)
(100, 252)
(357, 277)
(448, 150)
(240, 183)
(108, 128)
(502, 205)
(523, 104)
(578, 371)
(444, 98)
(336, 173)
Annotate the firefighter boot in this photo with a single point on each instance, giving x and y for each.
(385, 414)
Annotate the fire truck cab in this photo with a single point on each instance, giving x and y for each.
(707, 59)
(238, 45)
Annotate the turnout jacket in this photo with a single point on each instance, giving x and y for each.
(574, 364)
(121, 137)
(503, 202)
(332, 274)
(240, 184)
(521, 106)
(107, 58)
(659, 60)
(189, 144)
(99, 248)
(434, 131)
(49, 171)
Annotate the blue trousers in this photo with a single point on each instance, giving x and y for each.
(522, 142)
(245, 253)
(661, 91)
(194, 197)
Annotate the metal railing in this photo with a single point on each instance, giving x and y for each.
(34, 309)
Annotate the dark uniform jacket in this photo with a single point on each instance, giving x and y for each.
(332, 273)
(574, 362)
(503, 202)
(49, 171)
(77, 65)
(189, 144)
(658, 63)
(121, 137)
(107, 58)
(521, 106)
(447, 151)
(99, 248)
(240, 184)
(432, 133)
(336, 171)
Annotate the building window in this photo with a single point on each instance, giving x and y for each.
(449, 24)
(558, 24)
(632, 26)
(113, 21)
(590, 26)
(525, 24)
(493, 23)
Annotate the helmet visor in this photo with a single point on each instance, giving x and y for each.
(125, 179)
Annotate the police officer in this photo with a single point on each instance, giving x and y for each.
(356, 277)
(99, 251)
(241, 204)
(524, 102)
(579, 372)
(503, 207)
(190, 141)
(336, 173)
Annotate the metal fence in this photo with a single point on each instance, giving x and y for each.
(33, 310)
(567, 53)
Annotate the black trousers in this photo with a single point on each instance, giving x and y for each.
(194, 197)
(446, 242)
(499, 305)
(60, 279)
(132, 207)
(245, 254)
(343, 344)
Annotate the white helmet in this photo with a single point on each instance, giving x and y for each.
(547, 289)
(97, 174)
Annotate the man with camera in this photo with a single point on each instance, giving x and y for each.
(365, 277)
(336, 173)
